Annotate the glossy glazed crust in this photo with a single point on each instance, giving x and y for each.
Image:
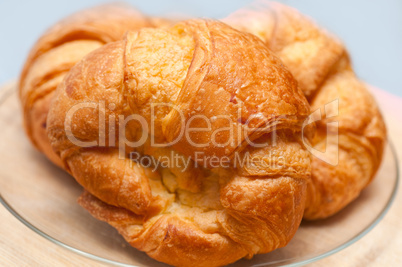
(58, 50)
(322, 68)
(209, 216)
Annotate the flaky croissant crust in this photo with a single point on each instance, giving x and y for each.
(322, 67)
(212, 216)
(58, 50)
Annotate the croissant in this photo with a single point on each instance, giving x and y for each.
(199, 213)
(58, 50)
(320, 63)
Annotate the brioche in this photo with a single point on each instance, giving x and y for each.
(58, 50)
(204, 214)
(354, 144)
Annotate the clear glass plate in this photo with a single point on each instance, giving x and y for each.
(43, 197)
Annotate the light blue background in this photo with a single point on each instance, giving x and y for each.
(371, 29)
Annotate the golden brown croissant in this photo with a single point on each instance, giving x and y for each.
(58, 50)
(321, 65)
(199, 214)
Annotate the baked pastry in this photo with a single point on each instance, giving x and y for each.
(200, 213)
(353, 134)
(60, 48)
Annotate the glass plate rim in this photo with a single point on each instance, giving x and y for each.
(5, 94)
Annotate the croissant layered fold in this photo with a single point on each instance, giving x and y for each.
(354, 144)
(202, 68)
(57, 51)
